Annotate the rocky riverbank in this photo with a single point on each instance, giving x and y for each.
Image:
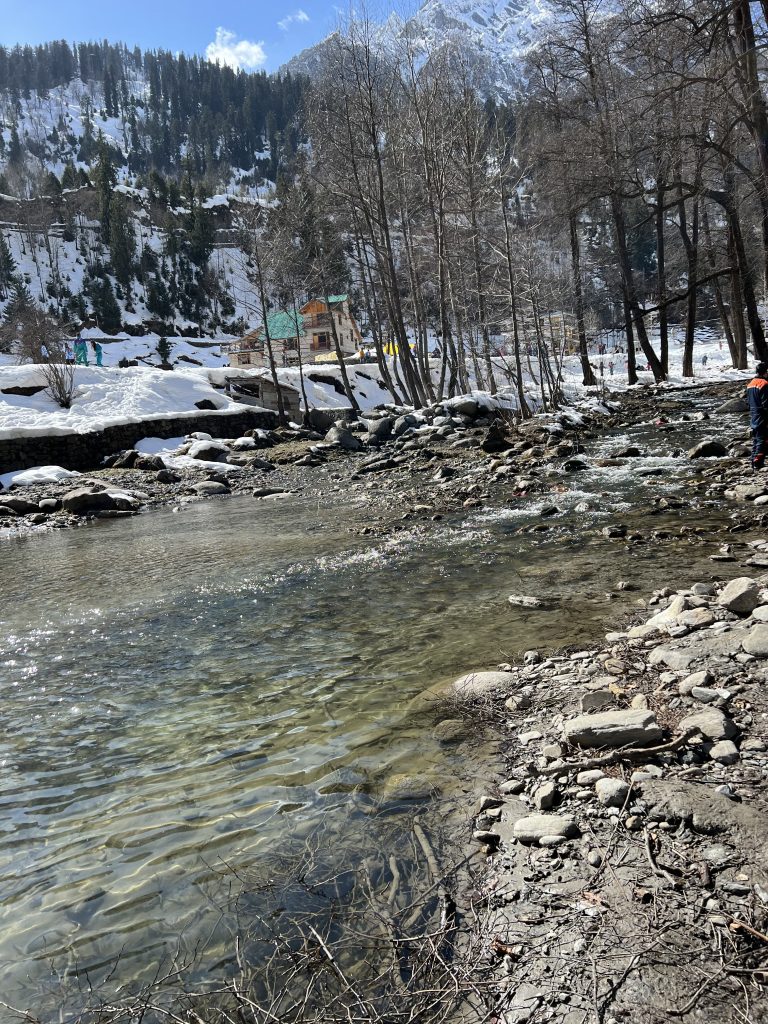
(453, 457)
(627, 872)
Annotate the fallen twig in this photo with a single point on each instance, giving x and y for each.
(631, 754)
(696, 995)
(741, 926)
(657, 869)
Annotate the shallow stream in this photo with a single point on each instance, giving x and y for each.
(185, 693)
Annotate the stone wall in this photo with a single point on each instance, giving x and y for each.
(85, 451)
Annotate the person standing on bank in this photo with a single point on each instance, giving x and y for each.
(757, 396)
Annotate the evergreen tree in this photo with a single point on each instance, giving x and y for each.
(69, 175)
(158, 299)
(201, 233)
(105, 307)
(52, 186)
(7, 268)
(121, 239)
(15, 153)
(104, 179)
(21, 304)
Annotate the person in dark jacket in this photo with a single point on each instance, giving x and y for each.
(757, 396)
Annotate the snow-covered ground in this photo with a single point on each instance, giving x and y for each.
(103, 397)
(107, 396)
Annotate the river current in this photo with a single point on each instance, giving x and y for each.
(186, 693)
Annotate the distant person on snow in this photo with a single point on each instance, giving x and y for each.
(704, 359)
(757, 396)
(69, 354)
(44, 353)
(81, 352)
(98, 352)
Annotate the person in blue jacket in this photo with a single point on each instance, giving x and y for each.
(757, 396)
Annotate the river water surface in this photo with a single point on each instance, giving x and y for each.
(183, 693)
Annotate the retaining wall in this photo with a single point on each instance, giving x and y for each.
(85, 451)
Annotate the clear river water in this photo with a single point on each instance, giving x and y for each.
(184, 693)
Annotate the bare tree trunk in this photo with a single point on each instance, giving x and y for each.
(721, 310)
(631, 360)
(630, 292)
(737, 306)
(305, 400)
(691, 243)
(282, 418)
(661, 276)
(588, 377)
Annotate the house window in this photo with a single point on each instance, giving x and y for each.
(320, 341)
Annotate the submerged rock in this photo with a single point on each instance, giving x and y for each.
(523, 601)
(450, 730)
(409, 787)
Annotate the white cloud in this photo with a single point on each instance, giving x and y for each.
(235, 53)
(296, 16)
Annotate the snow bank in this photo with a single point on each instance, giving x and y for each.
(104, 397)
(38, 475)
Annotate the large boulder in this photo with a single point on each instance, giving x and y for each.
(126, 459)
(86, 499)
(495, 439)
(381, 428)
(708, 449)
(613, 729)
(464, 405)
(343, 438)
(149, 463)
(734, 405)
(207, 488)
(403, 423)
(208, 451)
(21, 506)
(741, 595)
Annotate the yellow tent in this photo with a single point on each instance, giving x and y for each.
(327, 357)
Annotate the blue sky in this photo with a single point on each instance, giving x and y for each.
(251, 35)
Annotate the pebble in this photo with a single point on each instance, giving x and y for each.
(535, 827)
(512, 786)
(546, 796)
(552, 751)
(612, 792)
(524, 738)
(725, 752)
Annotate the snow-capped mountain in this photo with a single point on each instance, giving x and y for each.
(164, 149)
(494, 36)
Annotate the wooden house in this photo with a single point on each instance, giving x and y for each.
(309, 333)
